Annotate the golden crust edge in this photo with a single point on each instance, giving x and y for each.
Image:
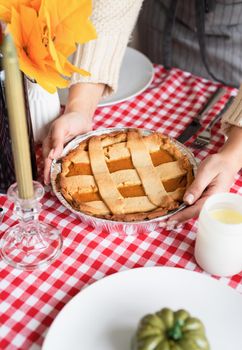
(85, 209)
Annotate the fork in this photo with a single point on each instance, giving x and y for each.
(204, 138)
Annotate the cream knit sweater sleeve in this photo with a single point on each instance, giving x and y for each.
(233, 115)
(114, 21)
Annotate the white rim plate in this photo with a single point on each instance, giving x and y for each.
(104, 315)
(136, 74)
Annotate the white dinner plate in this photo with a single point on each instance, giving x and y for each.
(104, 315)
(136, 74)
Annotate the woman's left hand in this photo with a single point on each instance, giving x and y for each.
(215, 174)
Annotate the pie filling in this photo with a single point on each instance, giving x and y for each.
(130, 191)
(157, 158)
(136, 178)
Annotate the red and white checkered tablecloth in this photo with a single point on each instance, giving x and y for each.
(31, 300)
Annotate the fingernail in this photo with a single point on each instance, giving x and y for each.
(162, 224)
(55, 153)
(51, 154)
(174, 225)
(189, 198)
(170, 225)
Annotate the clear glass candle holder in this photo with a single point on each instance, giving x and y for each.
(31, 243)
(218, 246)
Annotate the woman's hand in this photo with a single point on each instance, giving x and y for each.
(215, 174)
(82, 102)
(62, 130)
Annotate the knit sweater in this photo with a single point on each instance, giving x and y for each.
(233, 116)
(114, 21)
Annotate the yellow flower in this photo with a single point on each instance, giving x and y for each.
(7, 5)
(45, 34)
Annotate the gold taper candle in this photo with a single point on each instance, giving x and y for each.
(17, 119)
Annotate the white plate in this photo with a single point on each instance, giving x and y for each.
(104, 316)
(136, 74)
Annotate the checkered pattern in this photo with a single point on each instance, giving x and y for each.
(31, 300)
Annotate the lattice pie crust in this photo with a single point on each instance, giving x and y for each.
(125, 176)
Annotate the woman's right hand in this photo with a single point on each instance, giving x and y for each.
(62, 130)
(77, 119)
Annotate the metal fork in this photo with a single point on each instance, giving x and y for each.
(204, 138)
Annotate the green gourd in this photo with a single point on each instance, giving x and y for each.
(170, 330)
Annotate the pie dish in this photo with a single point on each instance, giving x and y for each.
(125, 175)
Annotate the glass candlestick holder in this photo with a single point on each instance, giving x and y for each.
(30, 244)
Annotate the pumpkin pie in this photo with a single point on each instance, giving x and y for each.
(125, 176)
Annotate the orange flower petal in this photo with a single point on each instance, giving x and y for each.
(25, 30)
(35, 4)
(52, 80)
(73, 68)
(45, 34)
(72, 16)
(6, 7)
